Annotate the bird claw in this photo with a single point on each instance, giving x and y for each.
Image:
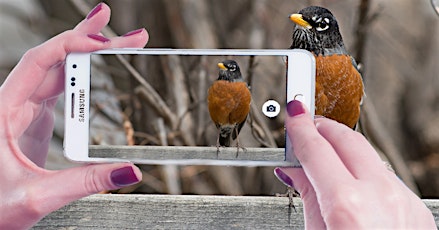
(217, 150)
(291, 193)
(218, 146)
(239, 147)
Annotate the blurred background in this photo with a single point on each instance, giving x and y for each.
(395, 41)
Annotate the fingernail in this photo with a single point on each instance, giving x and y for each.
(94, 11)
(295, 108)
(284, 178)
(317, 120)
(124, 176)
(133, 32)
(98, 38)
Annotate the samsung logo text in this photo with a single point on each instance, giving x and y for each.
(81, 105)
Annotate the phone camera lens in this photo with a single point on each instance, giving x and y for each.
(73, 78)
(73, 84)
(74, 66)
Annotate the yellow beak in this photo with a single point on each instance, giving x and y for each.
(298, 19)
(222, 66)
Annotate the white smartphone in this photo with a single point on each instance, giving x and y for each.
(149, 106)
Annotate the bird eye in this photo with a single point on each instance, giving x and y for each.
(322, 24)
(232, 67)
(322, 27)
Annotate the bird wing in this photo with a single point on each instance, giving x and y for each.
(357, 67)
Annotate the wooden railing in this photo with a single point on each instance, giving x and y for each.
(110, 211)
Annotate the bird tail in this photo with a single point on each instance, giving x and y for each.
(225, 141)
(225, 135)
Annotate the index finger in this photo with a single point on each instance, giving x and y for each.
(31, 75)
(98, 17)
(354, 150)
(31, 71)
(318, 158)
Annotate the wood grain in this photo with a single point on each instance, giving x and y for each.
(193, 155)
(176, 212)
(111, 211)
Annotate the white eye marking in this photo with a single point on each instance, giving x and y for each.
(326, 20)
(232, 68)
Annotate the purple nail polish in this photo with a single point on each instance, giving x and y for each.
(124, 176)
(284, 178)
(295, 108)
(133, 32)
(98, 38)
(94, 10)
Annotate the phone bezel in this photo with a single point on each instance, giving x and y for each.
(300, 86)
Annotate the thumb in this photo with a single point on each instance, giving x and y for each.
(62, 187)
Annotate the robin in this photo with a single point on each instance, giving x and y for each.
(339, 85)
(228, 101)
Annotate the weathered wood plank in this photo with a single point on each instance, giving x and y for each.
(175, 212)
(182, 212)
(433, 205)
(193, 155)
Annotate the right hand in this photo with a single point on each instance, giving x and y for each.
(344, 183)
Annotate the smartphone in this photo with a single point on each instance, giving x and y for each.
(149, 106)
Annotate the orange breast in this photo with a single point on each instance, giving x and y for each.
(228, 102)
(339, 89)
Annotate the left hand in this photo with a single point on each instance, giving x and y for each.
(28, 192)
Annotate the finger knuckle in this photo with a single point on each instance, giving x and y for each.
(348, 135)
(345, 203)
(92, 183)
(301, 149)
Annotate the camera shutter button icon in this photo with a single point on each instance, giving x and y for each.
(271, 108)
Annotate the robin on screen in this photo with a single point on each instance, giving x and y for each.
(339, 85)
(228, 101)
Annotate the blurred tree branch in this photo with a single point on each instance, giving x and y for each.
(364, 22)
(370, 124)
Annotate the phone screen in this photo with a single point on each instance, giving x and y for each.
(162, 100)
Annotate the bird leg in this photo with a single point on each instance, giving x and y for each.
(218, 144)
(237, 144)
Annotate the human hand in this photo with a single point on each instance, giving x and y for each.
(28, 192)
(343, 182)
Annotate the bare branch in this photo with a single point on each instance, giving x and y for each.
(169, 172)
(175, 77)
(157, 103)
(256, 122)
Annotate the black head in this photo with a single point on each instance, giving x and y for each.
(229, 70)
(317, 31)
